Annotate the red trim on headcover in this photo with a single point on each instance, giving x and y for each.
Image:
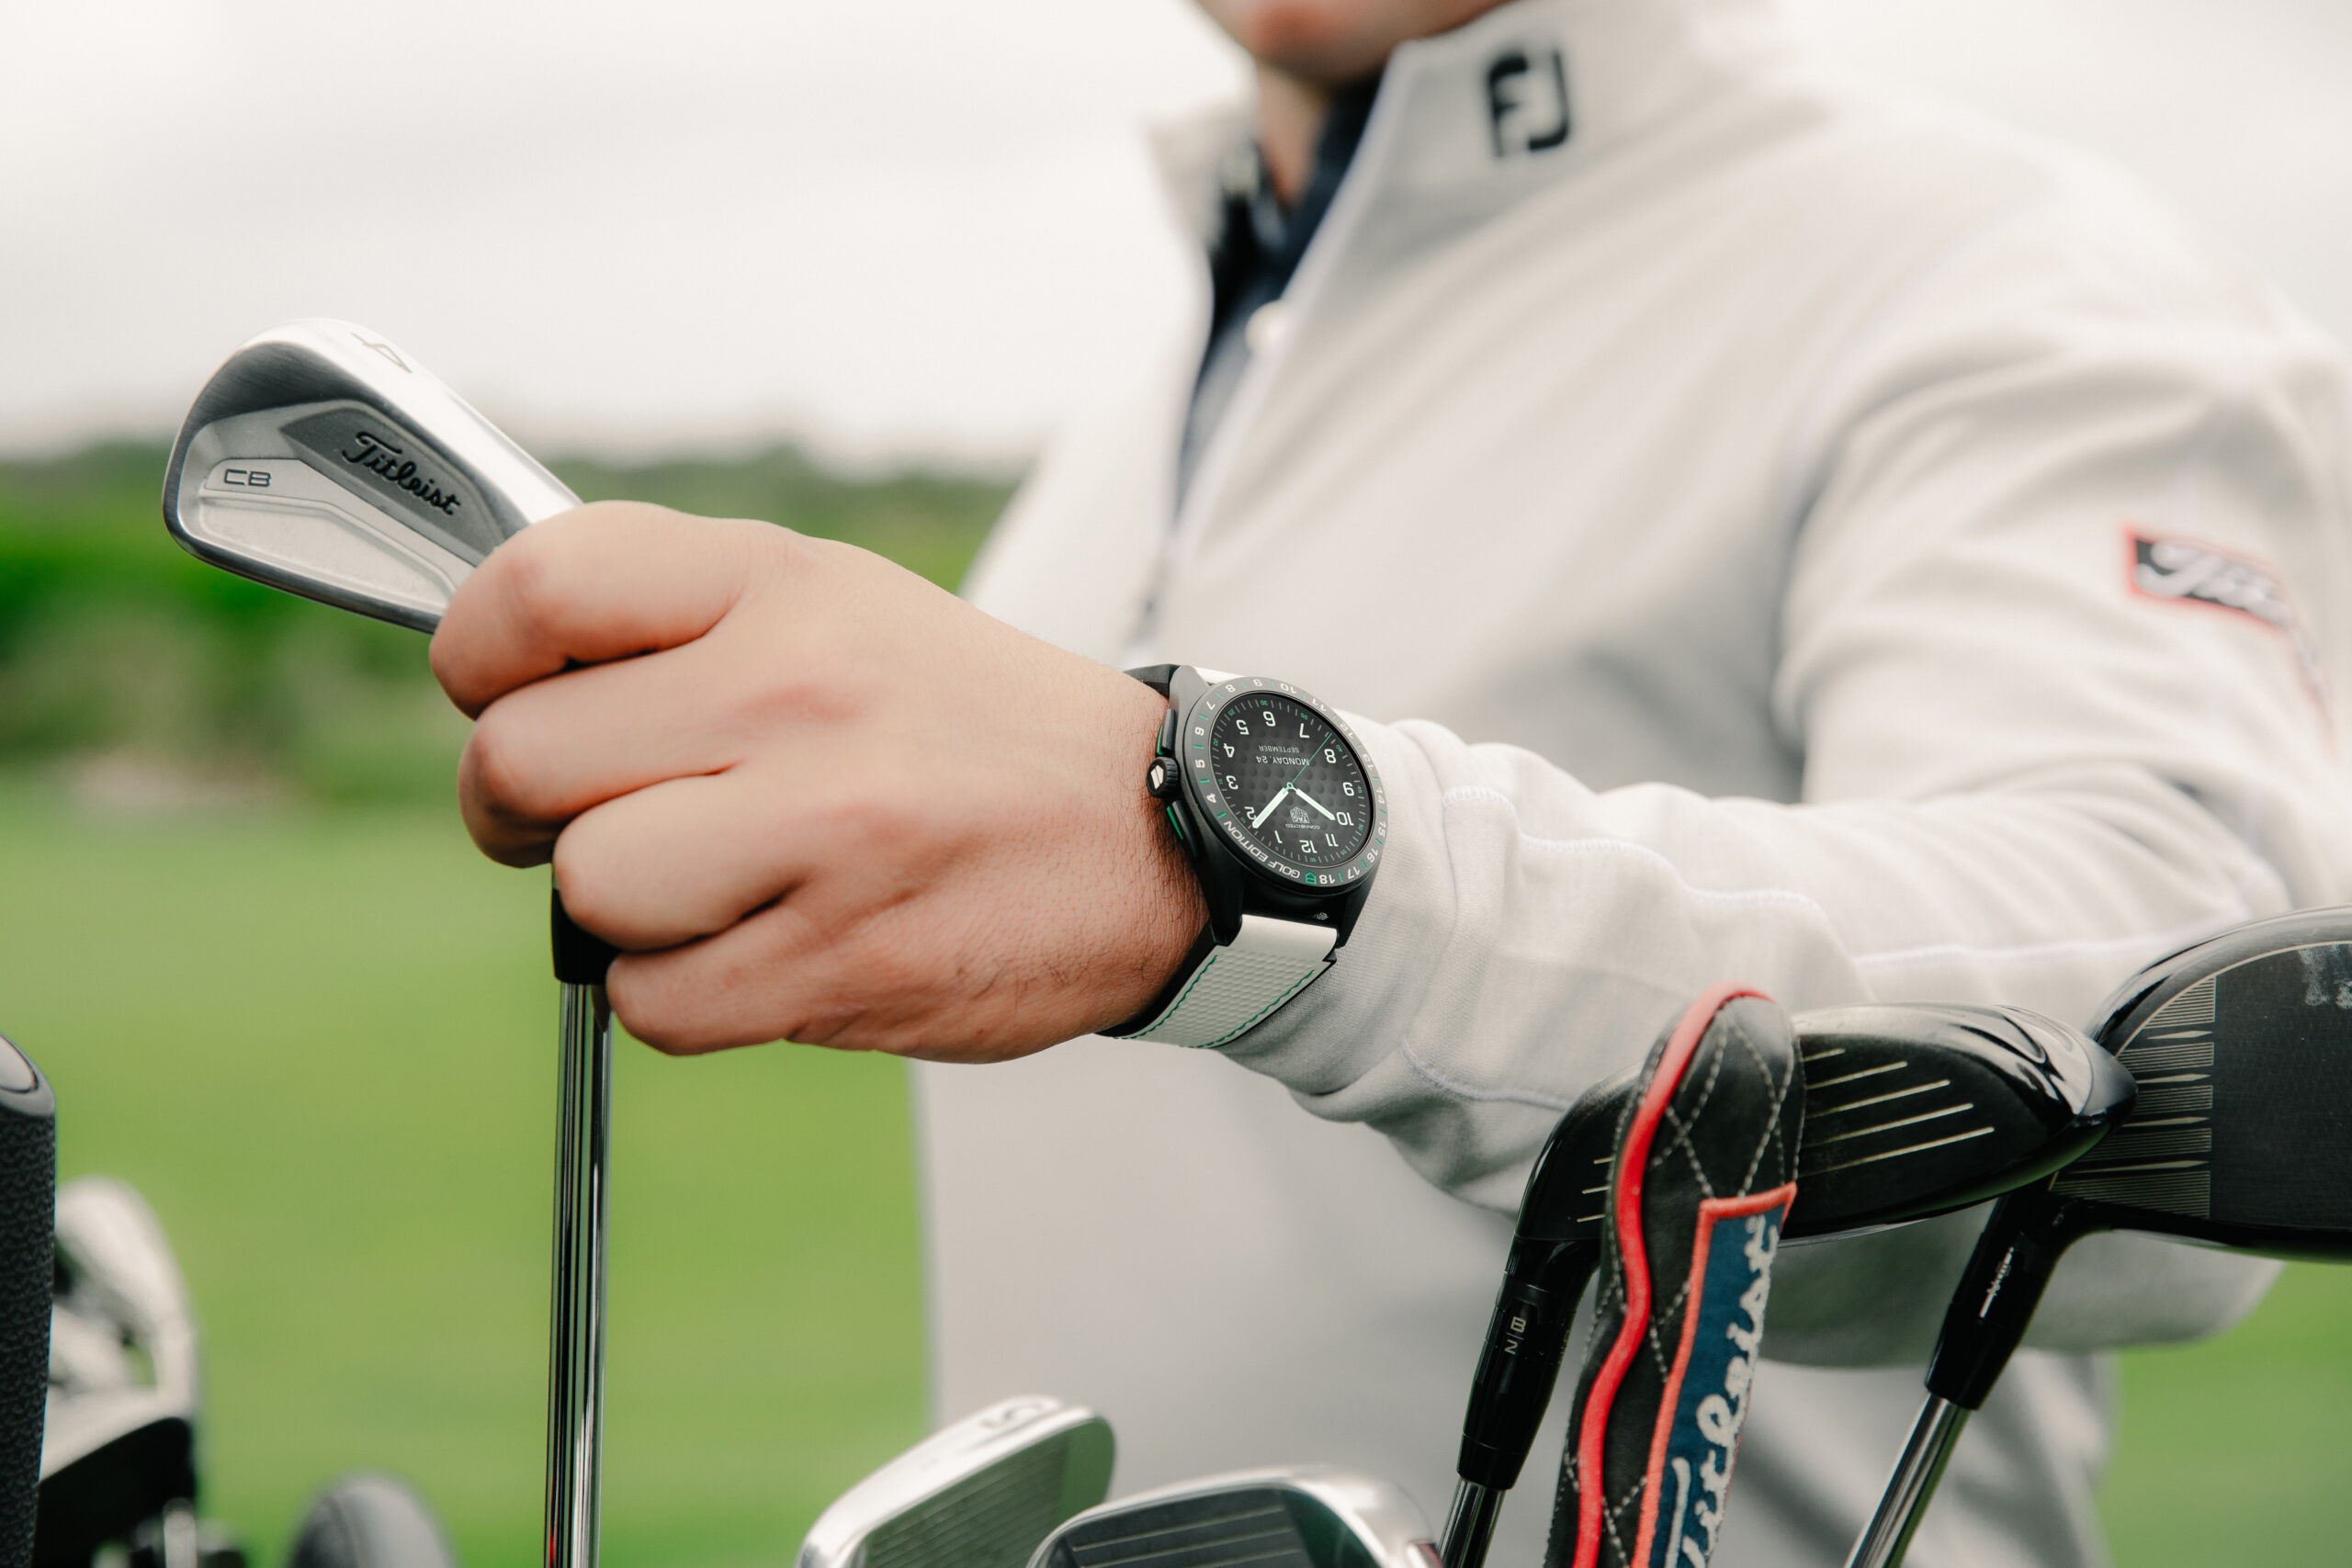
(1710, 1210)
(1626, 1204)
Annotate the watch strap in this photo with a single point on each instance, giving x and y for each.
(1230, 988)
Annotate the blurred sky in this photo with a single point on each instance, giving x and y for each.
(892, 226)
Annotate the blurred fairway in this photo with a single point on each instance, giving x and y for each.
(322, 1044)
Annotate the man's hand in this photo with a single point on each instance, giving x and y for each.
(810, 795)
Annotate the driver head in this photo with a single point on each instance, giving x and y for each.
(2243, 1049)
(1307, 1518)
(321, 459)
(980, 1494)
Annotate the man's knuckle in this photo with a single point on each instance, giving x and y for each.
(499, 765)
(537, 582)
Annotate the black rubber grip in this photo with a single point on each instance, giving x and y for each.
(28, 1231)
(579, 959)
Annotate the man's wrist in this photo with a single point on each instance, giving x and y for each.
(1170, 910)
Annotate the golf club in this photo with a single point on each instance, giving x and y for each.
(27, 1203)
(369, 1522)
(323, 460)
(1910, 1111)
(980, 1494)
(119, 1444)
(2241, 1046)
(1305, 1518)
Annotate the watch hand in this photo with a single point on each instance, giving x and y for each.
(1317, 803)
(1302, 768)
(1260, 820)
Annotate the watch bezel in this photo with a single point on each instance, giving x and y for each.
(1209, 807)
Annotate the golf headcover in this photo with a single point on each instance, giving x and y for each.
(1704, 1175)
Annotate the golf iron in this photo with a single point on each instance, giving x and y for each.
(2241, 1046)
(118, 1441)
(1304, 1517)
(323, 460)
(1909, 1112)
(980, 1494)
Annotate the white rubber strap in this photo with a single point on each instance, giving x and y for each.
(1237, 986)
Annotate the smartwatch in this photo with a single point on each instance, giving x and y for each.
(1283, 818)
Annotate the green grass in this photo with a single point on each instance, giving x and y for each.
(323, 1046)
(2230, 1451)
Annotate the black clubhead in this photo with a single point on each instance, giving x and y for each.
(2243, 1049)
(1909, 1112)
(2241, 1046)
(1915, 1111)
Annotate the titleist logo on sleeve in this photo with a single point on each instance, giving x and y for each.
(2184, 572)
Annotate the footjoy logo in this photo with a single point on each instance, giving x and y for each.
(1727, 1335)
(1527, 102)
(380, 457)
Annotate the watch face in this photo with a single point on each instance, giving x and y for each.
(1282, 780)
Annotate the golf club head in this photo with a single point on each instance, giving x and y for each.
(123, 1342)
(2236, 1139)
(1309, 1517)
(1912, 1110)
(2243, 1049)
(2241, 1046)
(118, 1443)
(369, 1522)
(115, 1268)
(980, 1494)
(323, 460)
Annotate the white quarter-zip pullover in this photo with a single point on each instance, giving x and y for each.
(1771, 535)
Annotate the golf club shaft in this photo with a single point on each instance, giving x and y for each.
(1912, 1486)
(1470, 1525)
(576, 1329)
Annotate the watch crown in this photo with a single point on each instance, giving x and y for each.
(1161, 779)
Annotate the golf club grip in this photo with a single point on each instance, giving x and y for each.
(1998, 1291)
(27, 1232)
(1520, 1362)
(579, 959)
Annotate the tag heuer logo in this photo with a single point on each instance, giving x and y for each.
(1298, 814)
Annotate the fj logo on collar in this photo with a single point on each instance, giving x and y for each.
(2184, 572)
(1527, 101)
